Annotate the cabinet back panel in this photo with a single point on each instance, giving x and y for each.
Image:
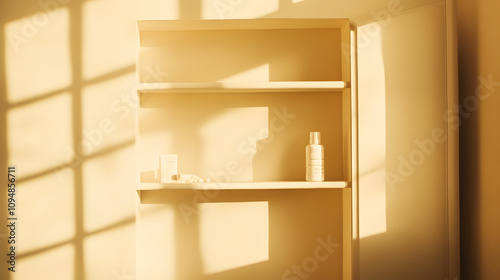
(241, 55)
(241, 136)
(179, 238)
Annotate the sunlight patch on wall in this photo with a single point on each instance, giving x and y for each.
(108, 38)
(54, 264)
(259, 73)
(153, 9)
(108, 112)
(31, 130)
(230, 151)
(152, 143)
(222, 9)
(115, 248)
(46, 211)
(233, 235)
(33, 45)
(372, 132)
(156, 248)
(108, 189)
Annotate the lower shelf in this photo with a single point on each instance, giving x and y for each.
(245, 185)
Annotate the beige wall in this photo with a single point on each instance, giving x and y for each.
(67, 121)
(479, 58)
(66, 75)
(66, 67)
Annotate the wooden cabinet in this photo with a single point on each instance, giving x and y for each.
(235, 100)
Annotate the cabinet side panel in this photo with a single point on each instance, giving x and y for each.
(403, 218)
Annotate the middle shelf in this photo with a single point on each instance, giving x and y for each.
(247, 136)
(276, 185)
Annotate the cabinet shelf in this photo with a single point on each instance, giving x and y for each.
(302, 86)
(278, 185)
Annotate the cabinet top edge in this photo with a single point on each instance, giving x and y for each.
(240, 24)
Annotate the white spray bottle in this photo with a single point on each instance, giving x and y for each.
(315, 164)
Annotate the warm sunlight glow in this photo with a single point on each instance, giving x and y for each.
(44, 264)
(372, 132)
(108, 44)
(103, 248)
(104, 177)
(108, 112)
(31, 130)
(259, 73)
(155, 254)
(230, 151)
(94, 94)
(221, 9)
(37, 55)
(53, 224)
(156, 137)
(152, 9)
(233, 235)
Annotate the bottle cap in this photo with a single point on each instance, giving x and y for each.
(314, 138)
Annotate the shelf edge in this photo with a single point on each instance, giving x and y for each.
(245, 185)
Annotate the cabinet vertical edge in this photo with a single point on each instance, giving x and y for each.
(345, 52)
(137, 105)
(351, 257)
(136, 150)
(453, 138)
(345, 48)
(137, 231)
(346, 234)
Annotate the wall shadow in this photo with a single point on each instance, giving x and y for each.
(12, 11)
(470, 180)
(75, 38)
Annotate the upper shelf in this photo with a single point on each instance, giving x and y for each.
(280, 185)
(243, 50)
(243, 87)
